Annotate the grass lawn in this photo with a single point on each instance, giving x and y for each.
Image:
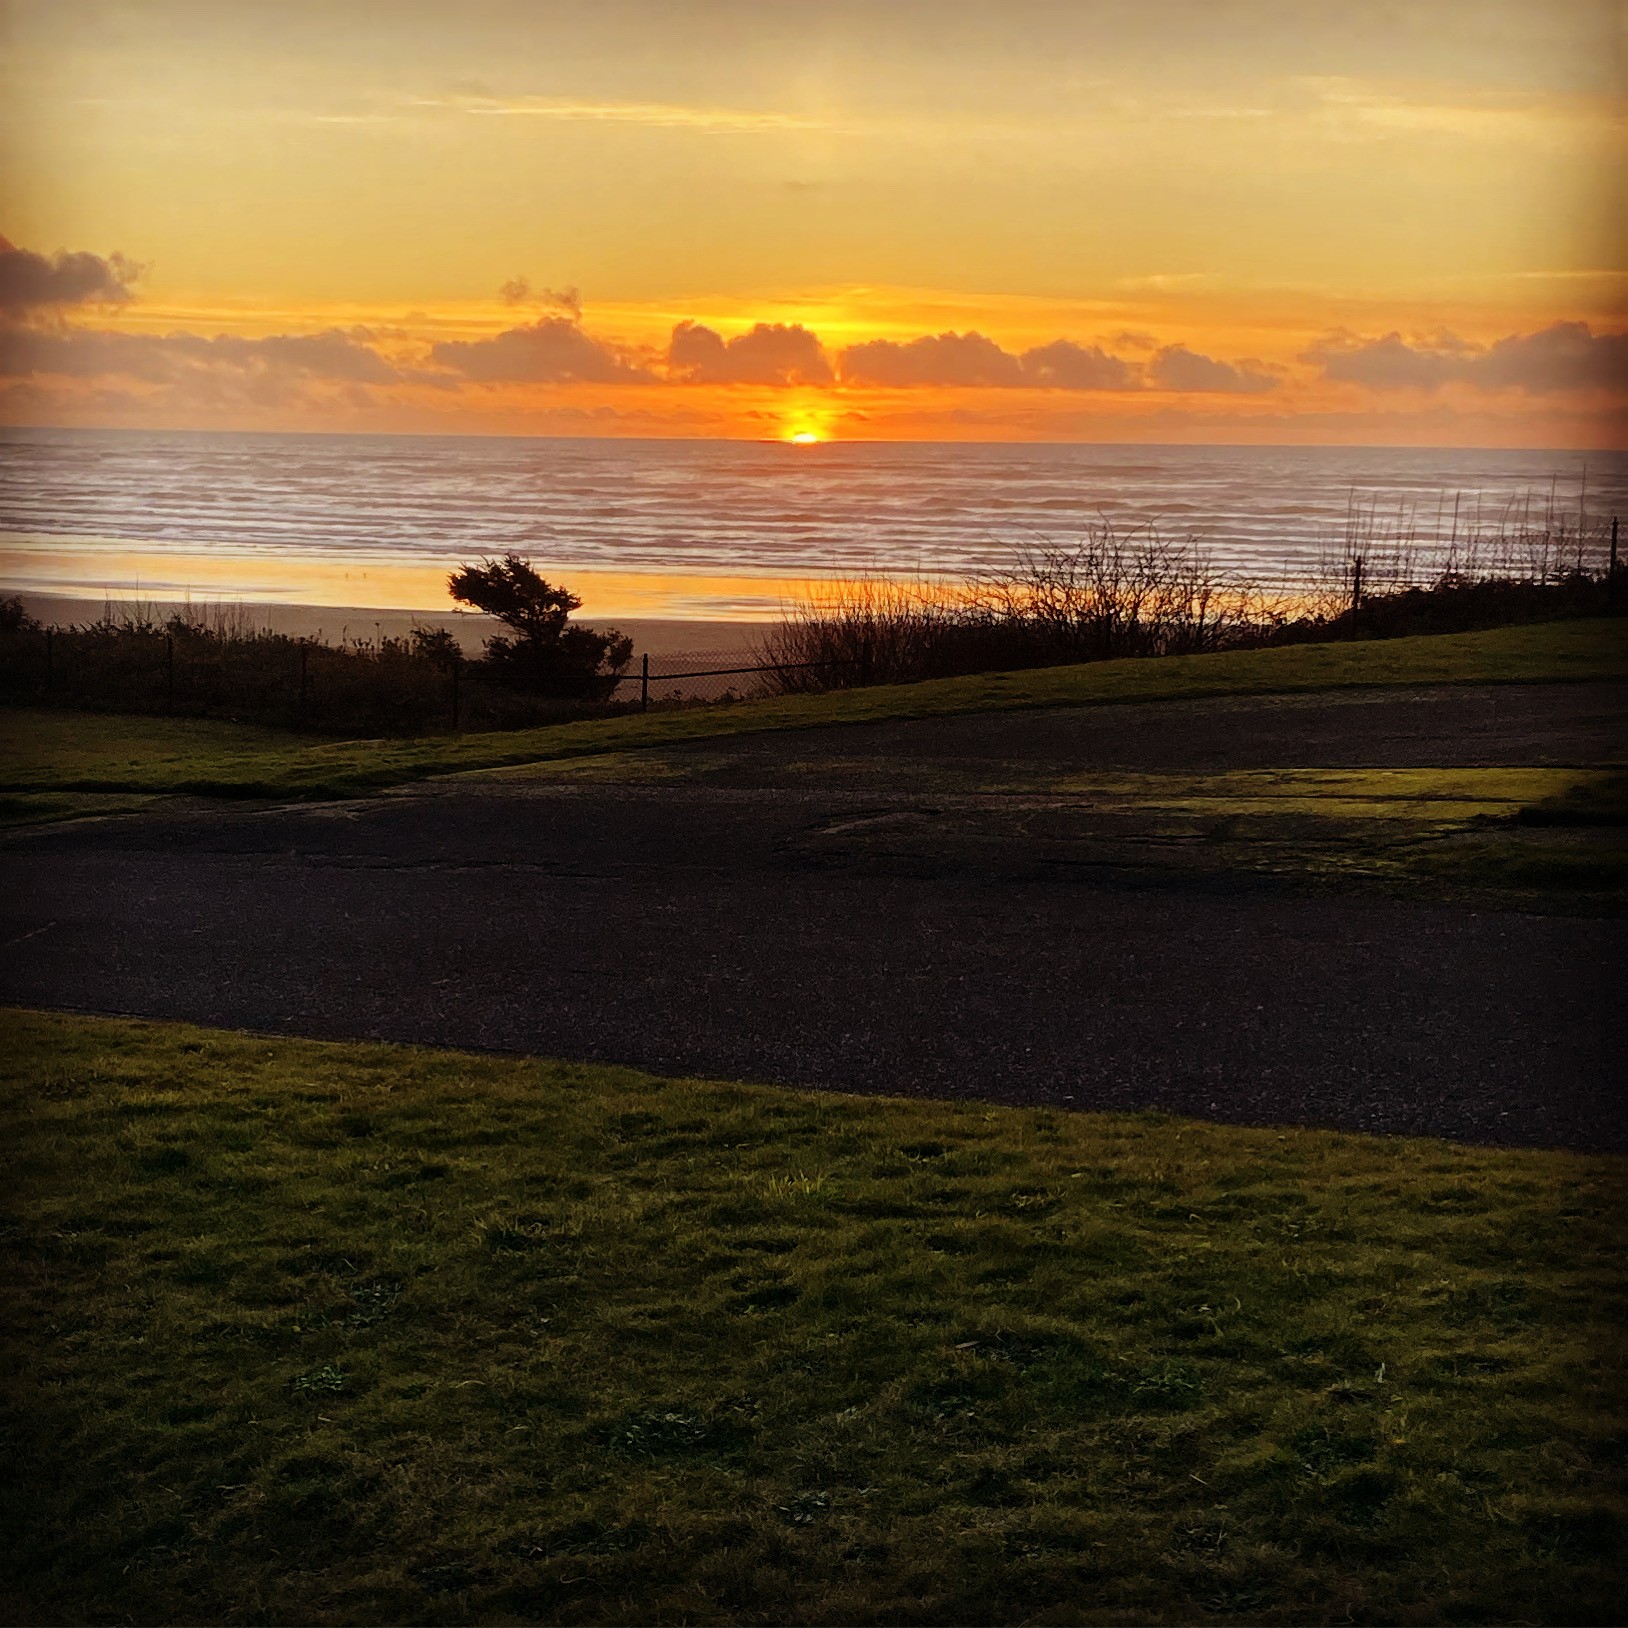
(350, 1333)
(45, 752)
(61, 764)
(1554, 839)
(1546, 838)
(63, 748)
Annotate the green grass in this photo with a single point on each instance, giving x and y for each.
(1389, 794)
(1549, 838)
(55, 748)
(349, 1333)
(60, 752)
(58, 765)
(1546, 838)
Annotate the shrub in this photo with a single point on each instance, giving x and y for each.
(546, 656)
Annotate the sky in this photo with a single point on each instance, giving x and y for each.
(1159, 220)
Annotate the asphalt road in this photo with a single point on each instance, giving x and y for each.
(750, 932)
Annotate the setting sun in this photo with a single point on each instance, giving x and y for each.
(804, 438)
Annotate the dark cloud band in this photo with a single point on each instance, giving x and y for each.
(552, 350)
(1563, 356)
(771, 353)
(35, 282)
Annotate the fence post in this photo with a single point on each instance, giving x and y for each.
(1611, 572)
(1356, 592)
(457, 668)
(49, 654)
(169, 672)
(305, 652)
(644, 683)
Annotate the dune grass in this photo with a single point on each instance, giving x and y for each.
(350, 1333)
(58, 752)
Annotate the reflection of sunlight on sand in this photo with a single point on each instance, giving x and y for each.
(93, 568)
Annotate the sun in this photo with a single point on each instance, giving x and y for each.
(804, 438)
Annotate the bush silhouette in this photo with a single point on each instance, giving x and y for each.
(546, 656)
(14, 617)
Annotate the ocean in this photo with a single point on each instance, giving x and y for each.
(719, 530)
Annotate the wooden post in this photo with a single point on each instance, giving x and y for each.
(644, 683)
(49, 654)
(1611, 570)
(169, 672)
(457, 668)
(305, 651)
(1356, 592)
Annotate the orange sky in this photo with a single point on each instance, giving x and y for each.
(1173, 220)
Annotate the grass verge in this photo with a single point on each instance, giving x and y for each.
(58, 752)
(44, 807)
(348, 1333)
(1388, 794)
(1548, 838)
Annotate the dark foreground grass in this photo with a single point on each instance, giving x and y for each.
(44, 752)
(323, 1333)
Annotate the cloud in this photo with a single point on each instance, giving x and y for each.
(552, 350)
(658, 115)
(1382, 364)
(974, 361)
(34, 282)
(518, 291)
(1063, 365)
(36, 342)
(969, 360)
(332, 354)
(1352, 106)
(204, 380)
(1167, 282)
(90, 353)
(1177, 368)
(1563, 356)
(768, 353)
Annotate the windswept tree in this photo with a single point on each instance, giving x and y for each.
(14, 617)
(547, 655)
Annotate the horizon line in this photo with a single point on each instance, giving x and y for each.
(803, 451)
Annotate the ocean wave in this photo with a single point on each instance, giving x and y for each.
(747, 506)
